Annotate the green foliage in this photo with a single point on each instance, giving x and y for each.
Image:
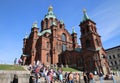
(11, 67)
(70, 69)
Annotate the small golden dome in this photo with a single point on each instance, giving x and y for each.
(50, 8)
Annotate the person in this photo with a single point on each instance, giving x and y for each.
(101, 77)
(66, 77)
(113, 78)
(71, 77)
(15, 61)
(85, 77)
(38, 62)
(15, 79)
(49, 78)
(34, 79)
(54, 76)
(20, 61)
(91, 76)
(38, 79)
(61, 77)
(87, 73)
(30, 79)
(77, 77)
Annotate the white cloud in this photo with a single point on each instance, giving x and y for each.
(108, 20)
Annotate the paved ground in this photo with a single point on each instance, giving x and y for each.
(108, 81)
(96, 80)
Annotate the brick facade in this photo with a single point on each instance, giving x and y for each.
(54, 44)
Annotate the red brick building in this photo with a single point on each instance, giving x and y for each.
(54, 44)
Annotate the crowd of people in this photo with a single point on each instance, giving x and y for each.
(44, 74)
(51, 75)
(20, 62)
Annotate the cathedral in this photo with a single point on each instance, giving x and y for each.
(53, 45)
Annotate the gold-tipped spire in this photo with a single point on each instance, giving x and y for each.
(84, 10)
(50, 8)
(85, 17)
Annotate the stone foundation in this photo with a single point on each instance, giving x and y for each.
(7, 76)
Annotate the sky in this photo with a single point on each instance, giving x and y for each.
(17, 17)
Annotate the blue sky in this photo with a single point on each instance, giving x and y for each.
(17, 17)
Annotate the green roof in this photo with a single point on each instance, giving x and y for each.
(73, 30)
(50, 13)
(54, 23)
(35, 24)
(61, 22)
(85, 17)
(43, 32)
(24, 55)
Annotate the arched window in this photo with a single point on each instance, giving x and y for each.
(63, 37)
(88, 43)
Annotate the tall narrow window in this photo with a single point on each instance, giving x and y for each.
(63, 37)
(83, 31)
(63, 47)
(87, 28)
(115, 62)
(51, 22)
(46, 25)
(114, 56)
(111, 63)
(118, 55)
(97, 43)
(109, 57)
(88, 43)
(47, 57)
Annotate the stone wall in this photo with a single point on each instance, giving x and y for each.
(7, 76)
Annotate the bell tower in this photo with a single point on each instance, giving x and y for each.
(93, 51)
(74, 38)
(90, 39)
